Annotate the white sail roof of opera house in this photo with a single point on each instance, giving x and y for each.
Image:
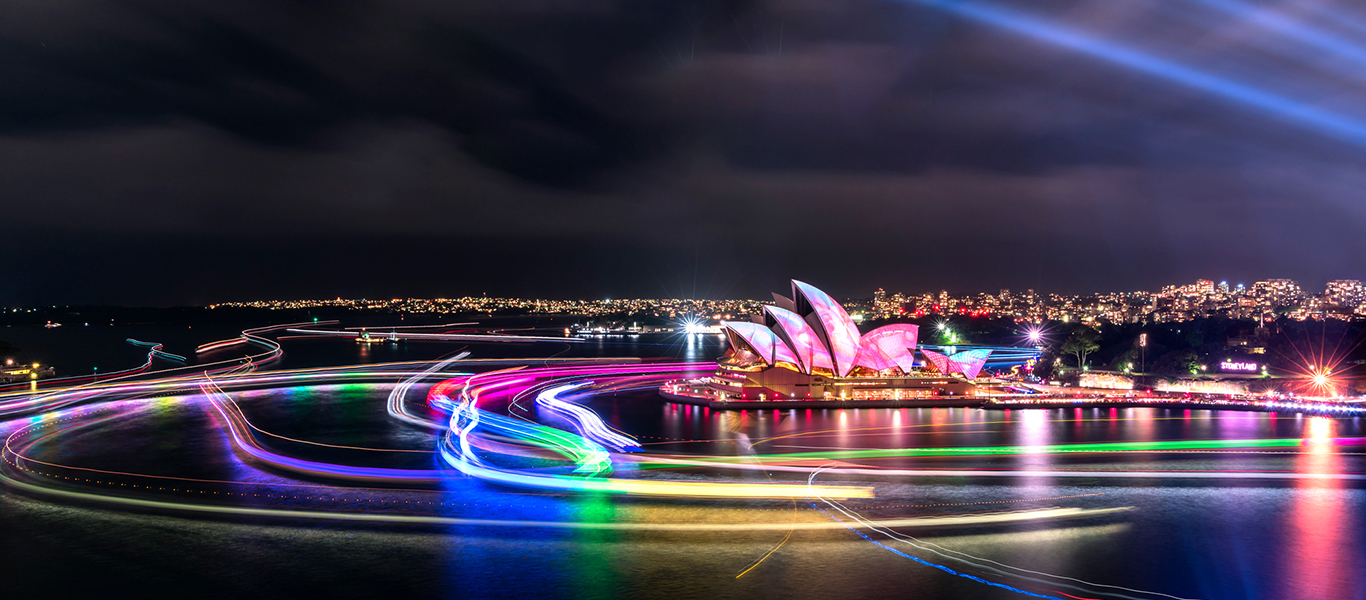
(812, 331)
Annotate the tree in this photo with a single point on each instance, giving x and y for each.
(1083, 342)
(1132, 356)
(1177, 362)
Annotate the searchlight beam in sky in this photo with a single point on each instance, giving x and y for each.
(1340, 126)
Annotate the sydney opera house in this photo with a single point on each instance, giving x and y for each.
(806, 347)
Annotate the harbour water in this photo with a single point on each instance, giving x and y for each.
(1199, 524)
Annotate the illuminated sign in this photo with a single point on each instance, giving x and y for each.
(1247, 367)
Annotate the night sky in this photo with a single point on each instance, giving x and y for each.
(168, 152)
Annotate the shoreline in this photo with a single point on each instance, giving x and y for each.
(989, 404)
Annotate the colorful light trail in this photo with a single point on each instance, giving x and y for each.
(481, 436)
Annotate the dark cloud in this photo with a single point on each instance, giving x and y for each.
(288, 77)
(601, 147)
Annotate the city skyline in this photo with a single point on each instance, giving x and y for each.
(1341, 298)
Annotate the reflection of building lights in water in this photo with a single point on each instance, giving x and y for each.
(1034, 429)
(898, 431)
(1035, 434)
(1320, 430)
(1323, 558)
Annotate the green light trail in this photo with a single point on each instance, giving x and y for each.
(1011, 450)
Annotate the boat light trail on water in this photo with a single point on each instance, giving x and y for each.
(398, 409)
(975, 561)
(1337, 125)
(588, 422)
(156, 349)
(475, 441)
(460, 337)
(20, 403)
(928, 563)
(592, 458)
(859, 523)
(434, 520)
(1155, 446)
(242, 439)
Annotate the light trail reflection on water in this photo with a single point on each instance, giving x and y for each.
(1069, 494)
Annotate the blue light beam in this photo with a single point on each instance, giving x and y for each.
(1336, 125)
(1290, 28)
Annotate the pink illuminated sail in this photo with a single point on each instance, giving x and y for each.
(889, 346)
(967, 362)
(805, 344)
(837, 331)
(762, 341)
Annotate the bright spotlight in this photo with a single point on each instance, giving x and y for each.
(693, 326)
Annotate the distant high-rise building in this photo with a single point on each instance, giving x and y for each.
(1223, 287)
(1278, 292)
(1345, 292)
